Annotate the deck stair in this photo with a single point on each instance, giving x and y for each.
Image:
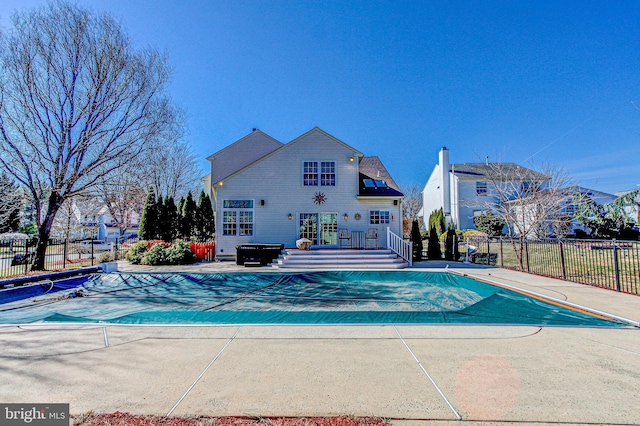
(340, 259)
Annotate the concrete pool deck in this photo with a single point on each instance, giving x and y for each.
(437, 374)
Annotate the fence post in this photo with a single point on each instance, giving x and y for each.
(488, 250)
(526, 251)
(615, 264)
(501, 254)
(26, 256)
(91, 251)
(562, 265)
(64, 254)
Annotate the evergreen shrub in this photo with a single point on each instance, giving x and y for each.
(136, 251)
(156, 255)
(179, 254)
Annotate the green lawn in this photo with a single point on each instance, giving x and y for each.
(587, 263)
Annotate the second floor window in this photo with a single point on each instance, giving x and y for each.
(319, 173)
(481, 188)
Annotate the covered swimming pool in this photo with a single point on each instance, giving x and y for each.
(336, 297)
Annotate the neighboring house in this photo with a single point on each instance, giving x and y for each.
(464, 190)
(87, 217)
(264, 191)
(554, 214)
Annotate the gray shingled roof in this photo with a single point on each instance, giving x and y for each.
(372, 168)
(483, 170)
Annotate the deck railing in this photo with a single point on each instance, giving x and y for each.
(399, 246)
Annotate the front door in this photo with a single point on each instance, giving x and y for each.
(320, 228)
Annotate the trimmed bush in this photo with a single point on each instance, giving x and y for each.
(451, 245)
(106, 257)
(135, 253)
(416, 239)
(161, 253)
(443, 237)
(433, 246)
(489, 224)
(472, 233)
(180, 254)
(155, 256)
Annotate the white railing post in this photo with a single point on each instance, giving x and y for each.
(403, 249)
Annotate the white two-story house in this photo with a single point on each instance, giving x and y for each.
(463, 191)
(264, 191)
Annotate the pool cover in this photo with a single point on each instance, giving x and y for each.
(340, 297)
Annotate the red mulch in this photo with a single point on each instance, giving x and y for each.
(126, 419)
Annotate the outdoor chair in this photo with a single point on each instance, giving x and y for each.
(344, 237)
(372, 235)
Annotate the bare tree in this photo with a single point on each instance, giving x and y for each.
(123, 195)
(411, 205)
(76, 103)
(168, 165)
(528, 201)
(412, 202)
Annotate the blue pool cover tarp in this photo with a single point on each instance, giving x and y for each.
(339, 297)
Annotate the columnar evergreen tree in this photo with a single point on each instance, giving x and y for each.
(451, 245)
(10, 205)
(170, 230)
(179, 227)
(204, 223)
(436, 220)
(161, 221)
(416, 239)
(148, 221)
(188, 217)
(433, 246)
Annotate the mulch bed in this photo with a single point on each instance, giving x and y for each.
(126, 419)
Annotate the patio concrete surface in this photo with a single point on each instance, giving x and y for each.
(440, 374)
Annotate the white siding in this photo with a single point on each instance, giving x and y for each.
(432, 194)
(469, 203)
(277, 179)
(240, 154)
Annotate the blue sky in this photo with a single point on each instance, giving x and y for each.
(527, 82)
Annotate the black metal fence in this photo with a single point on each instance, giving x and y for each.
(608, 264)
(16, 255)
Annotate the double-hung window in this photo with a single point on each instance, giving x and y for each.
(378, 217)
(319, 173)
(237, 217)
(481, 188)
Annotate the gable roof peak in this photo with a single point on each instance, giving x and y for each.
(317, 129)
(255, 132)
